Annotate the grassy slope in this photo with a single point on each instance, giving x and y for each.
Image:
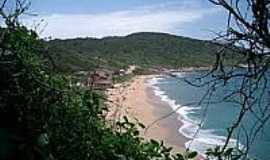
(143, 49)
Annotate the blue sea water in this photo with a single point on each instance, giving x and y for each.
(214, 118)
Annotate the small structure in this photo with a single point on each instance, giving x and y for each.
(122, 72)
(130, 69)
(99, 79)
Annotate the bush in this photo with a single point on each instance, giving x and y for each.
(44, 117)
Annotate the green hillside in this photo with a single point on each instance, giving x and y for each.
(143, 49)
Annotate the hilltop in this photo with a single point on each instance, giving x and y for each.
(142, 49)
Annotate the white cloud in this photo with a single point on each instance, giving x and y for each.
(159, 18)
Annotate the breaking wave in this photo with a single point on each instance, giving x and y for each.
(199, 139)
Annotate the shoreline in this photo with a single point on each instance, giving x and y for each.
(137, 100)
(171, 123)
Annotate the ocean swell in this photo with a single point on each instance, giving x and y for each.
(199, 139)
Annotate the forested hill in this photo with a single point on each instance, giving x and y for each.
(143, 49)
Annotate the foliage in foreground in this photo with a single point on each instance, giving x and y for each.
(43, 117)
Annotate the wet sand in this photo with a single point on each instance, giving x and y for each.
(137, 100)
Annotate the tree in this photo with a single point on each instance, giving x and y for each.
(247, 36)
(43, 115)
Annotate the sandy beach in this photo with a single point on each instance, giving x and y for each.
(137, 100)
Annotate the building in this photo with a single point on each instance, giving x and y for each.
(99, 79)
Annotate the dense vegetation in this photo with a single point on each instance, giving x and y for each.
(143, 49)
(43, 116)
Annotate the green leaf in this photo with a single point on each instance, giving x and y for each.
(154, 142)
(180, 156)
(228, 152)
(126, 119)
(136, 133)
(141, 125)
(191, 155)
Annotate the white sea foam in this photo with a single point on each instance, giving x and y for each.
(201, 139)
(179, 74)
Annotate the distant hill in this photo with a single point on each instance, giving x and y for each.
(143, 49)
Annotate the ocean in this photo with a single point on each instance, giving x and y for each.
(213, 119)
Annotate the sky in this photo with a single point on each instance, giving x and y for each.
(64, 19)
